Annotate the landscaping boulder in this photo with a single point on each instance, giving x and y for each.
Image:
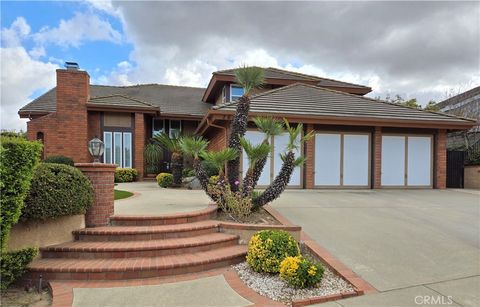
(193, 184)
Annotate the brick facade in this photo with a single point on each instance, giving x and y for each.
(65, 132)
(440, 157)
(102, 178)
(139, 143)
(377, 157)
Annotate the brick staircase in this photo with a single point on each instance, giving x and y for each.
(141, 247)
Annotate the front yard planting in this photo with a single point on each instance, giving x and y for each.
(120, 194)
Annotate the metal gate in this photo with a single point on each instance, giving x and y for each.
(455, 163)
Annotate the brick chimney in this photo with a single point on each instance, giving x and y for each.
(73, 89)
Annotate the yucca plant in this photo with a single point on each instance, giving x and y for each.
(289, 163)
(255, 154)
(152, 154)
(172, 144)
(195, 146)
(249, 78)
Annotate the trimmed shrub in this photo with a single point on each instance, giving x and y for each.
(188, 172)
(57, 190)
(14, 264)
(125, 174)
(300, 272)
(268, 248)
(209, 168)
(18, 158)
(59, 160)
(165, 180)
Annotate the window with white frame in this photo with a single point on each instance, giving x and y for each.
(235, 92)
(158, 126)
(118, 148)
(175, 128)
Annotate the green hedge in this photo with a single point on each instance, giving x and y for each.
(57, 190)
(125, 174)
(18, 158)
(59, 160)
(14, 264)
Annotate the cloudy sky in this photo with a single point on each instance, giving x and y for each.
(416, 49)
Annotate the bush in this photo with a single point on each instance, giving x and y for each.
(165, 180)
(209, 168)
(125, 174)
(153, 155)
(59, 160)
(14, 264)
(57, 190)
(473, 158)
(268, 248)
(188, 172)
(13, 134)
(18, 158)
(300, 272)
(213, 179)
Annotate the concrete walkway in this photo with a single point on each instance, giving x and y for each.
(406, 243)
(209, 291)
(153, 200)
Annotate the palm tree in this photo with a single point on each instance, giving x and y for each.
(218, 159)
(195, 146)
(289, 163)
(249, 78)
(172, 144)
(255, 154)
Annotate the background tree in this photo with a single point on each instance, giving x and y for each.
(172, 144)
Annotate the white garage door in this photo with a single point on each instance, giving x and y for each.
(406, 160)
(342, 160)
(280, 143)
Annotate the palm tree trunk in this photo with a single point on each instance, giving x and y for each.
(237, 131)
(177, 168)
(202, 177)
(251, 178)
(279, 183)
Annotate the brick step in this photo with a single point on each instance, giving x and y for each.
(130, 249)
(167, 219)
(142, 233)
(134, 268)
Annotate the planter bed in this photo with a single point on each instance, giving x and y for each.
(259, 217)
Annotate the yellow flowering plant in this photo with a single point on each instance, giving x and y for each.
(300, 272)
(268, 248)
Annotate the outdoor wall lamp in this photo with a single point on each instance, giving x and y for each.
(96, 148)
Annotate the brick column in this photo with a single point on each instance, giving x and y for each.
(377, 158)
(139, 143)
(102, 177)
(310, 155)
(440, 172)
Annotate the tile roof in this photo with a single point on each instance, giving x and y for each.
(460, 97)
(276, 73)
(120, 101)
(178, 100)
(309, 100)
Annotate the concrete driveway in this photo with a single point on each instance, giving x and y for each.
(406, 243)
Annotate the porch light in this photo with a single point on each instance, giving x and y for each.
(96, 147)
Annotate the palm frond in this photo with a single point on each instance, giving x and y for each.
(269, 125)
(219, 158)
(193, 145)
(249, 77)
(294, 141)
(255, 152)
(170, 143)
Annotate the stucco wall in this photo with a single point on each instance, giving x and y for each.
(40, 234)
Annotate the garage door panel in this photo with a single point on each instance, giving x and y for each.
(256, 137)
(280, 147)
(393, 160)
(419, 161)
(327, 159)
(355, 160)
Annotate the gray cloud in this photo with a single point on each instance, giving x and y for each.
(419, 48)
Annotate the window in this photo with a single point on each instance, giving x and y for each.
(117, 148)
(175, 128)
(235, 92)
(127, 149)
(107, 155)
(158, 126)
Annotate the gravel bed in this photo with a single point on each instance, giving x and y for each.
(273, 287)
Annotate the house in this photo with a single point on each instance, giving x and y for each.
(466, 104)
(359, 142)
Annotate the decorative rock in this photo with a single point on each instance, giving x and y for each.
(194, 184)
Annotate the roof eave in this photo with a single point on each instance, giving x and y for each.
(98, 107)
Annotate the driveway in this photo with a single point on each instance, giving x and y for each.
(406, 243)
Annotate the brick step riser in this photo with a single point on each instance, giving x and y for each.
(161, 221)
(138, 253)
(33, 277)
(144, 236)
